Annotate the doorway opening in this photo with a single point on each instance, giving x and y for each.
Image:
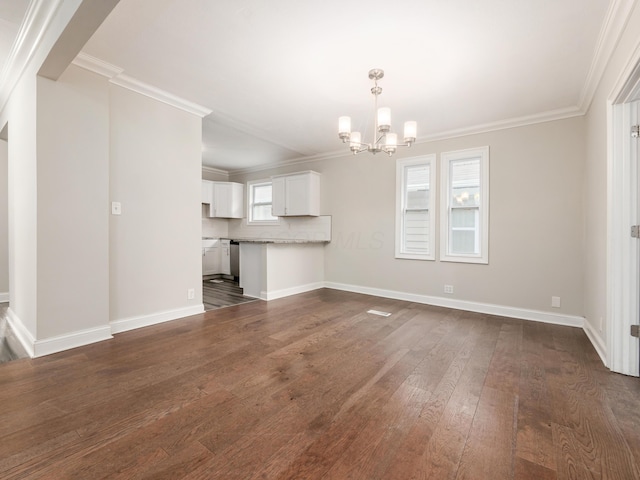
(10, 346)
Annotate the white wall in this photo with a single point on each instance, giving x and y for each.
(4, 220)
(536, 221)
(72, 205)
(595, 192)
(18, 108)
(155, 245)
(23, 204)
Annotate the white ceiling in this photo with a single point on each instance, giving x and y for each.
(278, 73)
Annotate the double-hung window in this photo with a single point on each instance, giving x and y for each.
(415, 204)
(464, 203)
(259, 202)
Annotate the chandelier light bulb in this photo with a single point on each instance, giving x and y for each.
(344, 128)
(391, 142)
(384, 119)
(410, 131)
(356, 142)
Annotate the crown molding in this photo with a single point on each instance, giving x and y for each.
(524, 121)
(117, 77)
(217, 171)
(614, 24)
(96, 65)
(627, 86)
(37, 21)
(163, 96)
(543, 117)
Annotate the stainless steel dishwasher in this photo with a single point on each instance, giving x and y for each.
(235, 260)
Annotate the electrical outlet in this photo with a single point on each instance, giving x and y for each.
(448, 289)
(191, 294)
(555, 302)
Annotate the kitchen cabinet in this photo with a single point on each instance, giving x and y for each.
(228, 199)
(225, 257)
(225, 199)
(296, 194)
(207, 191)
(210, 256)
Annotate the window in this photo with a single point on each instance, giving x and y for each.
(464, 216)
(415, 200)
(259, 211)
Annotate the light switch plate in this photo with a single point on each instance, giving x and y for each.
(116, 208)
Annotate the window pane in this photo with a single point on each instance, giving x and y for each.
(262, 213)
(417, 187)
(463, 242)
(262, 193)
(416, 231)
(465, 232)
(464, 218)
(465, 182)
(260, 202)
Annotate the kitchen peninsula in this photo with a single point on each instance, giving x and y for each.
(284, 259)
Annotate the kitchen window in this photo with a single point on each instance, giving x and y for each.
(259, 202)
(415, 203)
(464, 215)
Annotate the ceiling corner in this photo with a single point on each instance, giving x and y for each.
(610, 33)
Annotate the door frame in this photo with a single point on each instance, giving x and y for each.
(623, 251)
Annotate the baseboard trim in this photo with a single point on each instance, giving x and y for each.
(71, 340)
(4, 297)
(596, 341)
(285, 292)
(131, 323)
(487, 308)
(24, 336)
(39, 348)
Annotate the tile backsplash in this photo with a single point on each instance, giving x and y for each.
(214, 227)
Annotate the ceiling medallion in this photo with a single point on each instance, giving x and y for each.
(383, 139)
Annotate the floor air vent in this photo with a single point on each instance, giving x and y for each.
(378, 312)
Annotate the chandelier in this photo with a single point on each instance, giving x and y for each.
(383, 139)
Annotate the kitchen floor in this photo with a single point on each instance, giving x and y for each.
(221, 292)
(10, 347)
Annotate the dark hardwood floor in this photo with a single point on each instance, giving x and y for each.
(313, 387)
(10, 346)
(221, 292)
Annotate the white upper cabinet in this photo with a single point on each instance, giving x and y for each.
(225, 199)
(297, 194)
(207, 191)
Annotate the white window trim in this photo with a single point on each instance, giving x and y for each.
(250, 184)
(445, 197)
(400, 199)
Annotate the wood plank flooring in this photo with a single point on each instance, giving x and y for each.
(10, 346)
(218, 293)
(313, 387)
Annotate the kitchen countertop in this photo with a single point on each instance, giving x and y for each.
(277, 240)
